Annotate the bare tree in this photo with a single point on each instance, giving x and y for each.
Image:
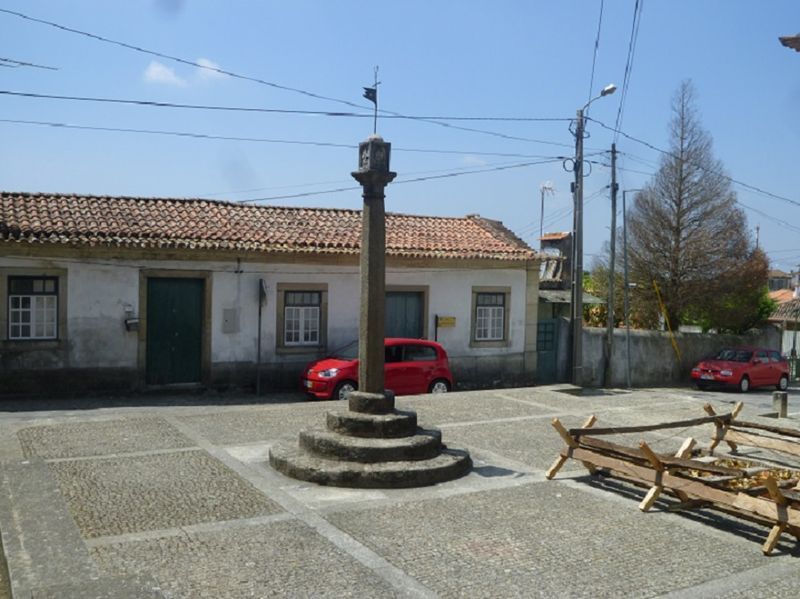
(685, 229)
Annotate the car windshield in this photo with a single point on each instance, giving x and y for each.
(734, 355)
(348, 352)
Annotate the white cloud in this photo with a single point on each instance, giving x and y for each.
(159, 73)
(206, 73)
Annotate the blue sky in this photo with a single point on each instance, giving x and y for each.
(437, 58)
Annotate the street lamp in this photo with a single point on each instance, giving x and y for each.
(576, 315)
(627, 285)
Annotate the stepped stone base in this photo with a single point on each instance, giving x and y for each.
(371, 445)
(293, 461)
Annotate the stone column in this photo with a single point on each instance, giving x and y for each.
(373, 174)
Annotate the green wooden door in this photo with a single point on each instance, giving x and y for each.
(546, 350)
(174, 330)
(404, 314)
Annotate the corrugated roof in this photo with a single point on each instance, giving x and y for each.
(80, 220)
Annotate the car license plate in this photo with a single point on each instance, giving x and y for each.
(707, 377)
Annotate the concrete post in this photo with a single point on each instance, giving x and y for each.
(373, 175)
(780, 403)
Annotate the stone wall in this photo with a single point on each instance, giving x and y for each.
(653, 359)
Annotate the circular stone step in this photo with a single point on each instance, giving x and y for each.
(356, 424)
(289, 459)
(425, 444)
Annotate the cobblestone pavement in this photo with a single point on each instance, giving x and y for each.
(164, 498)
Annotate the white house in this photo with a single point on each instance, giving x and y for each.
(119, 293)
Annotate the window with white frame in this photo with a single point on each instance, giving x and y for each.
(32, 308)
(301, 318)
(490, 313)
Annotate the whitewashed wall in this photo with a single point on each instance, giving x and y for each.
(102, 293)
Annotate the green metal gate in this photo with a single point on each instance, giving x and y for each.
(174, 330)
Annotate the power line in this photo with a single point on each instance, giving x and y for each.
(259, 80)
(700, 166)
(195, 135)
(594, 55)
(153, 103)
(400, 182)
(637, 14)
(10, 62)
(336, 182)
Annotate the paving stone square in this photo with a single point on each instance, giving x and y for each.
(100, 437)
(282, 559)
(239, 426)
(175, 500)
(545, 540)
(466, 407)
(133, 494)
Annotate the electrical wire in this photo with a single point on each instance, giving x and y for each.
(195, 135)
(700, 166)
(637, 13)
(402, 181)
(262, 81)
(157, 104)
(19, 63)
(594, 55)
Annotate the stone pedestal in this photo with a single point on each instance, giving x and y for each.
(370, 445)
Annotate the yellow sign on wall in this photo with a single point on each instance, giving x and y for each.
(446, 321)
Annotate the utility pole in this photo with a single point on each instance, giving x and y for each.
(626, 289)
(758, 232)
(611, 267)
(576, 307)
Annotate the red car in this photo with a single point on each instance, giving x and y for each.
(413, 366)
(743, 368)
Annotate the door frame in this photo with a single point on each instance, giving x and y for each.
(205, 334)
(423, 289)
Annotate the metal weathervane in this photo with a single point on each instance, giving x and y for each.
(371, 94)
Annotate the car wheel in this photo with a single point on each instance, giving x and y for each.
(783, 384)
(344, 389)
(439, 386)
(744, 385)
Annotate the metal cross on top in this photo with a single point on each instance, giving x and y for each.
(371, 94)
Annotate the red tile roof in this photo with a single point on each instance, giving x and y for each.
(553, 236)
(782, 295)
(73, 220)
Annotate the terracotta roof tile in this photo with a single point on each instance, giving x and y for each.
(787, 311)
(208, 224)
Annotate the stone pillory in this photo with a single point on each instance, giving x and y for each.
(61, 220)
(371, 444)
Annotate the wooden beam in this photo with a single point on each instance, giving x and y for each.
(685, 450)
(648, 476)
(737, 409)
(650, 498)
(762, 441)
(553, 470)
(651, 427)
(786, 432)
(633, 453)
(774, 491)
(773, 538)
(565, 434)
(651, 456)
